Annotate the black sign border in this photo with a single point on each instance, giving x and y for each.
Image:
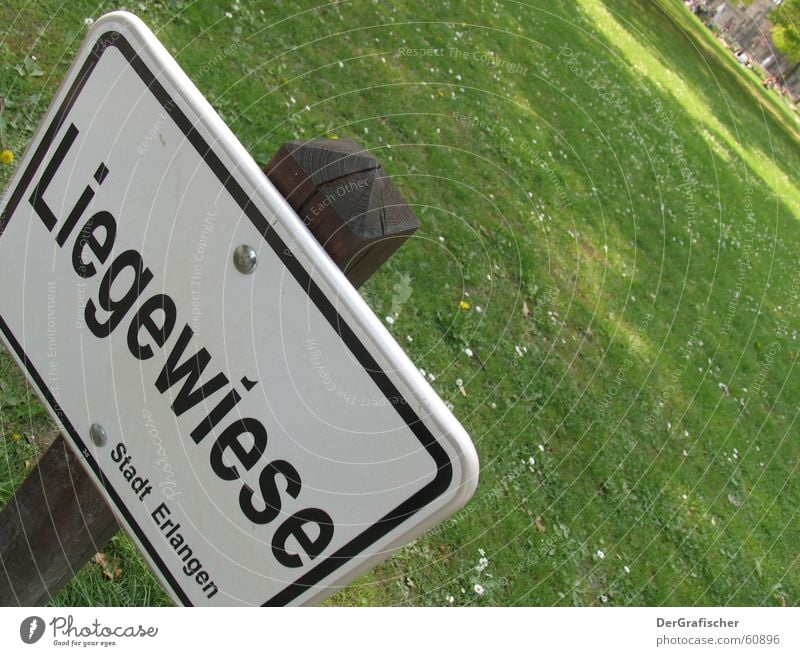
(394, 518)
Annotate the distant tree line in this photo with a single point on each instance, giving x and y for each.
(786, 28)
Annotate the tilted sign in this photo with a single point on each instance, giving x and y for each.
(262, 437)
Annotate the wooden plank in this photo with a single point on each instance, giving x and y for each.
(57, 520)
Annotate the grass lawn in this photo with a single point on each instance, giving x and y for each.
(617, 202)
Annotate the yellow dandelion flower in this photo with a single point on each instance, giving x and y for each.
(464, 305)
(6, 157)
(16, 437)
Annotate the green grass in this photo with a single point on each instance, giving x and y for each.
(626, 219)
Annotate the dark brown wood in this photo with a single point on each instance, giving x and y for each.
(346, 199)
(57, 520)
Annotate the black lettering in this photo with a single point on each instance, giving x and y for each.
(74, 215)
(293, 527)
(215, 416)
(270, 492)
(118, 308)
(87, 237)
(190, 369)
(159, 513)
(37, 197)
(230, 440)
(191, 567)
(159, 332)
(118, 452)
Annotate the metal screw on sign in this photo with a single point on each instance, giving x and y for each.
(245, 259)
(98, 435)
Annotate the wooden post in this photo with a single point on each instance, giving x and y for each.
(347, 201)
(57, 519)
(55, 522)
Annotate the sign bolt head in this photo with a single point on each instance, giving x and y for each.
(244, 258)
(98, 435)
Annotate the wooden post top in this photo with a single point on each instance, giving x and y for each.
(346, 199)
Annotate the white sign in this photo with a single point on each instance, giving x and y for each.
(266, 439)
